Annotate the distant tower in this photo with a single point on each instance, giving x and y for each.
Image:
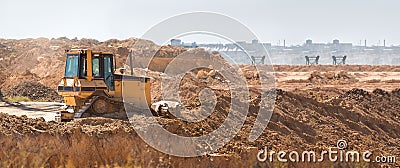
(336, 42)
(308, 42)
(176, 42)
(384, 43)
(284, 43)
(365, 43)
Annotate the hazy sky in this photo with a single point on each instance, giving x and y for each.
(271, 20)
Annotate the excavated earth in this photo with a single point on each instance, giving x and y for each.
(302, 120)
(315, 107)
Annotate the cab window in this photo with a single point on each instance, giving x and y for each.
(96, 67)
(71, 66)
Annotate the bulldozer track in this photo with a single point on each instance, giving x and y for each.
(89, 109)
(81, 111)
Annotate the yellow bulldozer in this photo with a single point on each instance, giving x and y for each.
(92, 86)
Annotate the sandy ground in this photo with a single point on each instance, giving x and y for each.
(315, 107)
(313, 110)
(47, 110)
(285, 80)
(365, 80)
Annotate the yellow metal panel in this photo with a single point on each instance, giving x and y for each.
(118, 89)
(66, 94)
(105, 53)
(70, 101)
(136, 92)
(85, 94)
(74, 101)
(89, 65)
(93, 83)
(147, 92)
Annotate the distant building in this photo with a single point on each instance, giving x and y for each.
(267, 46)
(255, 41)
(241, 43)
(338, 47)
(189, 45)
(178, 42)
(336, 42)
(241, 51)
(308, 42)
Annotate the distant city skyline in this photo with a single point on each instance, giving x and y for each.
(384, 42)
(350, 21)
(324, 53)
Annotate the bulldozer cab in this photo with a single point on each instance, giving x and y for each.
(91, 87)
(85, 64)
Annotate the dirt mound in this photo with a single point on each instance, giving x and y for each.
(303, 119)
(320, 94)
(32, 90)
(366, 120)
(3, 76)
(170, 51)
(91, 143)
(45, 58)
(331, 77)
(175, 57)
(23, 125)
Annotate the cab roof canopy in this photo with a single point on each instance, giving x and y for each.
(83, 51)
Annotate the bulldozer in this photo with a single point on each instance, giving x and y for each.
(92, 86)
